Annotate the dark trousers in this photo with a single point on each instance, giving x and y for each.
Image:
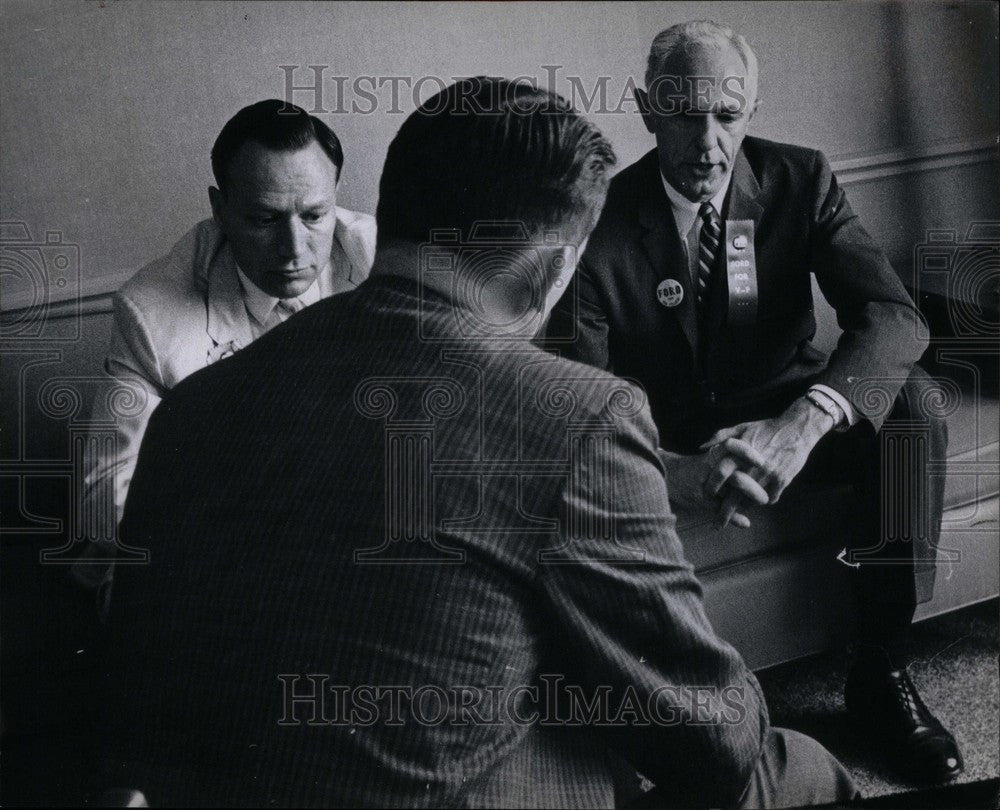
(898, 479)
(895, 520)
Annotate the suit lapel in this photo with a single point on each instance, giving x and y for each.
(663, 248)
(358, 249)
(228, 322)
(744, 194)
(743, 202)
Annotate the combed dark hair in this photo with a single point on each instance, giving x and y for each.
(276, 125)
(491, 149)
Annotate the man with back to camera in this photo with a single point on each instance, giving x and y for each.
(383, 530)
(276, 242)
(734, 383)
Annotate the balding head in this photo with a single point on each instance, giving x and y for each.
(674, 48)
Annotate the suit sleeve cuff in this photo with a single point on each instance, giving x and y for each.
(851, 415)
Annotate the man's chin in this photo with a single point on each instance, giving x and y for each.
(704, 187)
(289, 287)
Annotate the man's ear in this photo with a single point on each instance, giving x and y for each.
(642, 100)
(218, 202)
(562, 266)
(753, 110)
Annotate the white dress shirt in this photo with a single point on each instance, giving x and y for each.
(689, 229)
(689, 223)
(260, 305)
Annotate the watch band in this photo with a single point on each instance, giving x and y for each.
(827, 405)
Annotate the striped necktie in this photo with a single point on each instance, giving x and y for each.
(708, 251)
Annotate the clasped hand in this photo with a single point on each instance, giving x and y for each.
(749, 463)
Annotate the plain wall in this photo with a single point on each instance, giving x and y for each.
(108, 110)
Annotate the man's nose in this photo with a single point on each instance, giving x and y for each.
(706, 136)
(292, 239)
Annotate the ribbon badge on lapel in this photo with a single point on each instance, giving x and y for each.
(669, 292)
(741, 272)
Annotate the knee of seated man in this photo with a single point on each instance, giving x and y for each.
(924, 400)
(809, 774)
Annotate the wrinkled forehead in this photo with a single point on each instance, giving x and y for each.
(712, 71)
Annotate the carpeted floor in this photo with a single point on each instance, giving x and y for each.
(955, 668)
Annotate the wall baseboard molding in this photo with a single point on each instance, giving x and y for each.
(89, 302)
(851, 170)
(95, 297)
(56, 310)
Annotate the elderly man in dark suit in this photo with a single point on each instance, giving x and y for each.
(697, 284)
(403, 557)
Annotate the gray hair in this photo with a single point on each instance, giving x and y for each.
(680, 38)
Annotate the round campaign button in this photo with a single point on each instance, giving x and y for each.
(669, 292)
(740, 242)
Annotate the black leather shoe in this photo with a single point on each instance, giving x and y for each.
(885, 705)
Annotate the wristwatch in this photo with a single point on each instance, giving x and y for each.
(827, 405)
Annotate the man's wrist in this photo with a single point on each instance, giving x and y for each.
(828, 405)
(817, 420)
(846, 415)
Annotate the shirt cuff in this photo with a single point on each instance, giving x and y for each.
(850, 414)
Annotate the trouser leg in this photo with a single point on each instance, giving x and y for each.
(905, 482)
(793, 771)
(796, 771)
(895, 525)
(904, 502)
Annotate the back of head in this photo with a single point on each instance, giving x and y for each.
(277, 125)
(489, 149)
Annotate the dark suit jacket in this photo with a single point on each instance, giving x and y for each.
(365, 500)
(610, 316)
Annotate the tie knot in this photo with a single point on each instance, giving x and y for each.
(708, 213)
(289, 306)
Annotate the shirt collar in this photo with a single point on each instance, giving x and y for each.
(685, 211)
(260, 305)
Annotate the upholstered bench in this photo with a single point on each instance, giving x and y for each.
(778, 591)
